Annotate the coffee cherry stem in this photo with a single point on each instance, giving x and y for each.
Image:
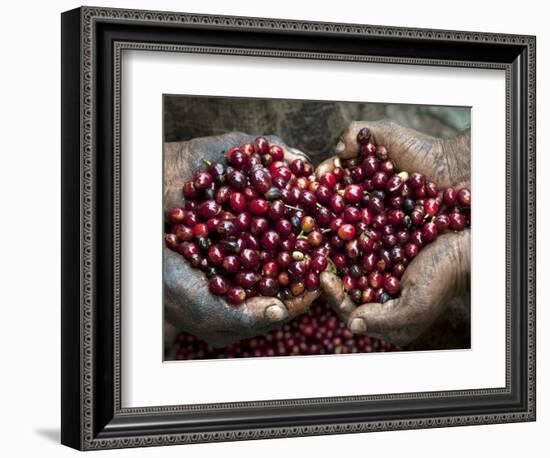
(293, 208)
(301, 236)
(326, 230)
(207, 162)
(333, 268)
(342, 192)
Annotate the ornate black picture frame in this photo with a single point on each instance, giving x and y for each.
(92, 42)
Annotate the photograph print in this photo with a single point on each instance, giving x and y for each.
(297, 228)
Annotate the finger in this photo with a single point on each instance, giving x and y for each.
(388, 321)
(291, 154)
(348, 146)
(407, 147)
(381, 134)
(265, 310)
(301, 304)
(328, 165)
(335, 296)
(269, 310)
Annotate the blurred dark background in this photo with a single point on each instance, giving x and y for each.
(314, 127)
(311, 126)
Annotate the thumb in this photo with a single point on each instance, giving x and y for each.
(265, 311)
(408, 148)
(389, 321)
(378, 131)
(268, 311)
(335, 296)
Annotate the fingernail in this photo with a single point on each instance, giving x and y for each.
(340, 148)
(358, 326)
(276, 313)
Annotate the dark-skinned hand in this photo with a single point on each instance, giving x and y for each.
(189, 305)
(441, 271)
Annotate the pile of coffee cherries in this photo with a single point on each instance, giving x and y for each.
(317, 332)
(259, 225)
(245, 224)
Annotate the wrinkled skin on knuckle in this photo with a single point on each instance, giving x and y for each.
(411, 150)
(446, 162)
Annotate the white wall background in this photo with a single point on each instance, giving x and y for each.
(30, 215)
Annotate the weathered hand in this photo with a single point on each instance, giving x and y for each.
(443, 161)
(441, 270)
(189, 305)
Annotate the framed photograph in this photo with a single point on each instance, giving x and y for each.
(277, 228)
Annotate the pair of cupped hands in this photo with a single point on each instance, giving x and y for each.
(436, 275)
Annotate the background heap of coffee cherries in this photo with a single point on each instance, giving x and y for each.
(317, 332)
